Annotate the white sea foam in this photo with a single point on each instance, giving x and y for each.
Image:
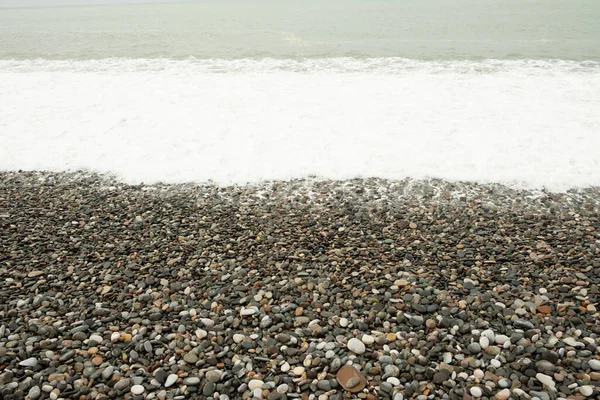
(526, 123)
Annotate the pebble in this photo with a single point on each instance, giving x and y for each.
(595, 365)
(501, 339)
(213, 375)
(586, 390)
(123, 384)
(193, 381)
(352, 382)
(190, 358)
(476, 392)
(238, 338)
(31, 362)
(546, 380)
(393, 381)
(484, 342)
(356, 346)
(270, 289)
(34, 393)
(255, 384)
(298, 371)
(96, 338)
(137, 389)
(368, 340)
(283, 388)
(171, 379)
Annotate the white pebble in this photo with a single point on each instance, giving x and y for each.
(501, 339)
(393, 381)
(586, 390)
(484, 342)
(283, 388)
(171, 379)
(248, 311)
(356, 346)
(201, 333)
(463, 375)
(96, 338)
(343, 322)
(137, 389)
(546, 380)
(238, 338)
(447, 357)
(257, 393)
(495, 363)
(255, 384)
(285, 367)
(30, 362)
(478, 374)
(476, 392)
(595, 365)
(368, 339)
(488, 333)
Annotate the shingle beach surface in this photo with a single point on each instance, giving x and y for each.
(428, 289)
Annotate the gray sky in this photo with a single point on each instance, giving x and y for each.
(33, 3)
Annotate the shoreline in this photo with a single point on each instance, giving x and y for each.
(429, 288)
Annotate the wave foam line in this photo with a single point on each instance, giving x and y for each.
(532, 124)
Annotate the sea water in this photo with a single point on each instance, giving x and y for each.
(236, 91)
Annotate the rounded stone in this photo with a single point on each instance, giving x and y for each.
(586, 390)
(213, 375)
(356, 346)
(171, 379)
(368, 339)
(595, 365)
(255, 384)
(476, 392)
(137, 389)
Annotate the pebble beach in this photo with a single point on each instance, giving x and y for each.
(308, 289)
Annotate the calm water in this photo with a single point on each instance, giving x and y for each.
(423, 29)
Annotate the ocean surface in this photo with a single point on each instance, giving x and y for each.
(237, 91)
